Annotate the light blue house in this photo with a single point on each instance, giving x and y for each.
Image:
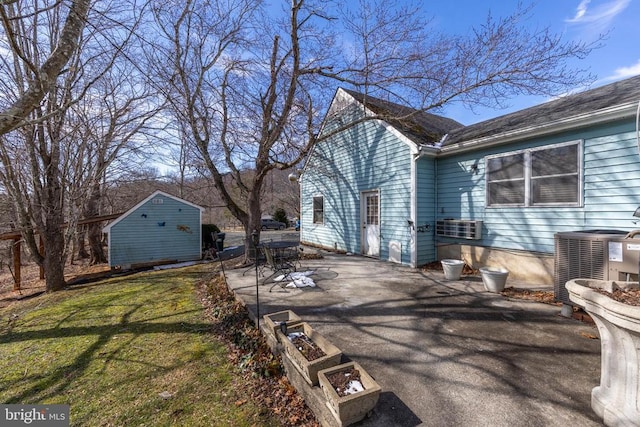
(415, 188)
(161, 228)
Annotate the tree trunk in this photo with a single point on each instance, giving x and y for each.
(54, 259)
(81, 247)
(253, 225)
(94, 230)
(95, 244)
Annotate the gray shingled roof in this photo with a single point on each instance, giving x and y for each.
(420, 127)
(617, 93)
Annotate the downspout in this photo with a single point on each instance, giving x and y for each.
(422, 151)
(435, 192)
(638, 127)
(435, 204)
(634, 232)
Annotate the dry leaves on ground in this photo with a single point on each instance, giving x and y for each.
(625, 296)
(262, 373)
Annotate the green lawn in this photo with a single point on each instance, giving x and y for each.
(134, 350)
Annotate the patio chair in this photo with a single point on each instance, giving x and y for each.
(279, 264)
(259, 261)
(295, 256)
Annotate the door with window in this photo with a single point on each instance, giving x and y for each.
(370, 212)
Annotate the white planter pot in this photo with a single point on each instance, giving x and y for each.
(494, 279)
(617, 399)
(452, 268)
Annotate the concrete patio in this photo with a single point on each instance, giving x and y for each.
(446, 353)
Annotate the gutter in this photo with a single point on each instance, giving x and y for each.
(605, 115)
(430, 150)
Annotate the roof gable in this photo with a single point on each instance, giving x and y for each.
(418, 126)
(156, 193)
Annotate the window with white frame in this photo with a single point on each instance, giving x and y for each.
(318, 210)
(542, 176)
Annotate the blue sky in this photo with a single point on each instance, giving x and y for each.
(577, 20)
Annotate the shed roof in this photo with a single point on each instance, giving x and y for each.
(574, 105)
(108, 227)
(419, 126)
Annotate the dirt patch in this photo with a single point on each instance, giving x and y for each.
(31, 285)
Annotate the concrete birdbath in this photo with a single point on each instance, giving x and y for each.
(617, 399)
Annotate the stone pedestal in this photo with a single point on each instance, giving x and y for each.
(617, 399)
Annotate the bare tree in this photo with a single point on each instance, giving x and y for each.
(113, 122)
(252, 88)
(46, 141)
(40, 74)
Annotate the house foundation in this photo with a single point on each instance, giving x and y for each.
(531, 267)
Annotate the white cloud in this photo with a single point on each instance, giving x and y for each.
(624, 72)
(580, 11)
(601, 14)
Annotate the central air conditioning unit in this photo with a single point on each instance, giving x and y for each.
(459, 229)
(593, 254)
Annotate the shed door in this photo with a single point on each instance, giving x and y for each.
(370, 211)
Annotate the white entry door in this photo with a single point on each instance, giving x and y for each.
(370, 211)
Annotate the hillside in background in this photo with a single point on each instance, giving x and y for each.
(120, 196)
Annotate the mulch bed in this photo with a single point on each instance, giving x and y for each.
(545, 297)
(625, 296)
(467, 270)
(340, 380)
(307, 347)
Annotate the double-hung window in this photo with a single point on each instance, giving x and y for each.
(543, 176)
(318, 210)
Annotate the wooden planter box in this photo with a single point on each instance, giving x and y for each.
(353, 407)
(273, 320)
(617, 399)
(309, 369)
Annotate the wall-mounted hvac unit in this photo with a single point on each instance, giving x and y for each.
(459, 229)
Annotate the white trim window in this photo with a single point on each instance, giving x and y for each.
(542, 176)
(318, 209)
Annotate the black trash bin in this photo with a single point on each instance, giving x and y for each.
(220, 242)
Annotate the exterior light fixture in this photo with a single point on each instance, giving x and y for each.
(295, 176)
